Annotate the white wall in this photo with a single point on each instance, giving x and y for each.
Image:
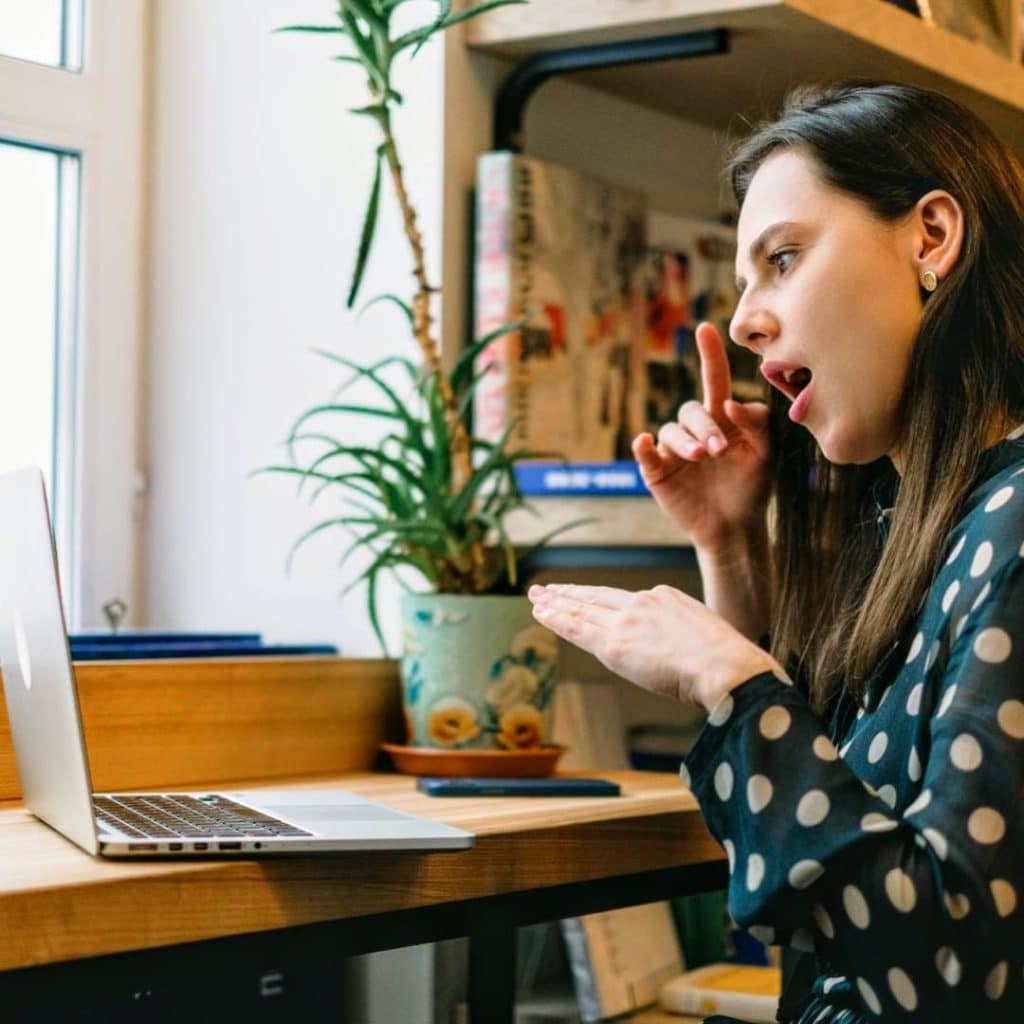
(259, 183)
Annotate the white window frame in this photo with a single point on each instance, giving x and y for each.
(98, 113)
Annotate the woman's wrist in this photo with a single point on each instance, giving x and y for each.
(725, 676)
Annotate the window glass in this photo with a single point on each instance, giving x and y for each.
(38, 211)
(42, 31)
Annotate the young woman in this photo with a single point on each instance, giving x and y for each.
(866, 528)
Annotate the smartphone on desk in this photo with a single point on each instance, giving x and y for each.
(517, 787)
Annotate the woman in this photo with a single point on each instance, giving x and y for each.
(871, 812)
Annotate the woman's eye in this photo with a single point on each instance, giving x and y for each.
(780, 255)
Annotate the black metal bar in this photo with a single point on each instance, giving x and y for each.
(492, 973)
(528, 76)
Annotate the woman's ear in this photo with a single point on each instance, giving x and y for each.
(939, 223)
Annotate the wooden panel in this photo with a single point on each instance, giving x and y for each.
(775, 44)
(176, 723)
(58, 903)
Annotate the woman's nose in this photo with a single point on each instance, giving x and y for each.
(752, 326)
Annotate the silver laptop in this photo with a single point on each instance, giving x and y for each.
(49, 746)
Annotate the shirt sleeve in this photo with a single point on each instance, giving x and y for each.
(920, 909)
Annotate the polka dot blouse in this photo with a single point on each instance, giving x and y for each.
(889, 843)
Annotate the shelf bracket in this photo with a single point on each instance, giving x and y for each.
(528, 76)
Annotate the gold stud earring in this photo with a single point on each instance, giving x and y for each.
(929, 282)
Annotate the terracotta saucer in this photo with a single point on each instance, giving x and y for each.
(505, 764)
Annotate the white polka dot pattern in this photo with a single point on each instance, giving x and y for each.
(856, 906)
(867, 993)
(823, 921)
(1011, 718)
(899, 887)
(999, 499)
(723, 780)
(878, 747)
(813, 808)
(902, 988)
(755, 872)
(993, 645)
(824, 749)
(914, 700)
(759, 793)
(805, 873)
(957, 904)
(1004, 896)
(982, 558)
(891, 823)
(986, 825)
(937, 841)
(730, 851)
(965, 752)
(721, 712)
(995, 981)
(775, 723)
(948, 965)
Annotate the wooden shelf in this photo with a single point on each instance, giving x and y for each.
(775, 44)
(624, 522)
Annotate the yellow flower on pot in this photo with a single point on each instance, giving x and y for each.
(452, 721)
(521, 728)
(516, 685)
(543, 642)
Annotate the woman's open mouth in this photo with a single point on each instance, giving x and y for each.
(792, 380)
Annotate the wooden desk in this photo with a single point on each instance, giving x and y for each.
(94, 928)
(535, 859)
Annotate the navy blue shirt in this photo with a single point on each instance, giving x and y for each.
(890, 841)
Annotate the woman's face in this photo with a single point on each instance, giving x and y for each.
(831, 289)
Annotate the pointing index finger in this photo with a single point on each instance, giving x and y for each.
(714, 370)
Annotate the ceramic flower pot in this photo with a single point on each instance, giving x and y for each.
(477, 672)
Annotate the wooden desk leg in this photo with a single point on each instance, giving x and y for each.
(492, 975)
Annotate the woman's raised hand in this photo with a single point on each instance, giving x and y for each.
(708, 471)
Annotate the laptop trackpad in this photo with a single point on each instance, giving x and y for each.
(340, 812)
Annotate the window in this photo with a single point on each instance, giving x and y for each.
(71, 162)
(39, 212)
(43, 31)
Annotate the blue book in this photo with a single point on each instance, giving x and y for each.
(195, 649)
(147, 636)
(610, 479)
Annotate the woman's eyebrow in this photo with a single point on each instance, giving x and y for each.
(758, 246)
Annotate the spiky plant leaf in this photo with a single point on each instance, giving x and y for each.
(369, 226)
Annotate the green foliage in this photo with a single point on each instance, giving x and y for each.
(407, 500)
(403, 504)
(366, 25)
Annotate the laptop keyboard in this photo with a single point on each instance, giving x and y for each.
(177, 816)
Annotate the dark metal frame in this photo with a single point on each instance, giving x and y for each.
(145, 976)
(528, 76)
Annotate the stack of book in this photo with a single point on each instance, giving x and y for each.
(153, 644)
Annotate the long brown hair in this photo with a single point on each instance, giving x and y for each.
(838, 604)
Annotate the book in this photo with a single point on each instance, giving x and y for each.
(557, 250)
(746, 991)
(161, 644)
(607, 294)
(621, 959)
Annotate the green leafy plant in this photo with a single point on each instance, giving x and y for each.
(429, 496)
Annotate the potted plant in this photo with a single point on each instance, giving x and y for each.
(477, 670)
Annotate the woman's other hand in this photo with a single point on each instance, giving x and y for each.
(661, 639)
(708, 471)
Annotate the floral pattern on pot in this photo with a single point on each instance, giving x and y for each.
(477, 672)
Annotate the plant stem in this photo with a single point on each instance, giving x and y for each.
(462, 468)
